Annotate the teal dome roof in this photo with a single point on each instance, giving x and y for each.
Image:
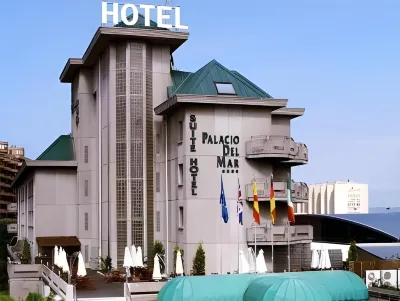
(275, 288)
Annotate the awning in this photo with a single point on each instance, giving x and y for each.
(63, 241)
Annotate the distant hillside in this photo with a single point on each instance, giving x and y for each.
(383, 209)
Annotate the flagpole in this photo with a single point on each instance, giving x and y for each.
(289, 233)
(272, 246)
(255, 247)
(221, 244)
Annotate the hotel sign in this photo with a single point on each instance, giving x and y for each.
(193, 166)
(132, 11)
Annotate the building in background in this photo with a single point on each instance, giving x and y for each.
(11, 158)
(335, 198)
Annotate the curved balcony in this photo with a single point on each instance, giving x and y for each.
(279, 234)
(277, 147)
(299, 191)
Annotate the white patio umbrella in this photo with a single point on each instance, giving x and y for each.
(179, 264)
(81, 266)
(127, 259)
(260, 262)
(64, 262)
(55, 255)
(252, 261)
(314, 259)
(244, 267)
(327, 260)
(156, 269)
(133, 254)
(139, 258)
(321, 265)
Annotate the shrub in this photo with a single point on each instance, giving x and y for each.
(6, 298)
(106, 264)
(352, 253)
(199, 261)
(26, 253)
(34, 297)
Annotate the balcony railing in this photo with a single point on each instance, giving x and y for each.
(279, 235)
(279, 147)
(299, 191)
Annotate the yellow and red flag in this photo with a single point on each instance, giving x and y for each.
(272, 200)
(256, 208)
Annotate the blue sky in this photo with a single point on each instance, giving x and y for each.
(339, 59)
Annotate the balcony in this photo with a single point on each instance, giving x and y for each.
(282, 148)
(299, 191)
(279, 235)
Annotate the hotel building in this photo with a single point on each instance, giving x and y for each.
(146, 153)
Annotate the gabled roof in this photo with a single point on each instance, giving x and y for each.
(383, 251)
(202, 82)
(60, 150)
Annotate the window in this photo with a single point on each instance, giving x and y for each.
(158, 221)
(86, 156)
(157, 144)
(86, 187)
(225, 89)
(180, 219)
(180, 131)
(86, 253)
(157, 182)
(180, 174)
(86, 221)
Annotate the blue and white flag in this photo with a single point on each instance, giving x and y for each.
(222, 201)
(240, 204)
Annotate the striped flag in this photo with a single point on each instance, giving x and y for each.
(240, 204)
(289, 200)
(272, 200)
(256, 209)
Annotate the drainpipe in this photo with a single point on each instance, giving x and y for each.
(166, 194)
(99, 164)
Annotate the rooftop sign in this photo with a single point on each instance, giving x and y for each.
(131, 10)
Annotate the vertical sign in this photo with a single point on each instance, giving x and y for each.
(194, 168)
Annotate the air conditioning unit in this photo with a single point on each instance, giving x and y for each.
(389, 277)
(372, 276)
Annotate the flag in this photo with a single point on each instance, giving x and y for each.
(256, 209)
(222, 201)
(240, 204)
(272, 200)
(289, 200)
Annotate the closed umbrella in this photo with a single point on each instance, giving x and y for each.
(260, 262)
(321, 265)
(139, 258)
(327, 260)
(252, 261)
(179, 264)
(81, 266)
(314, 259)
(64, 262)
(127, 259)
(156, 269)
(133, 254)
(55, 255)
(244, 267)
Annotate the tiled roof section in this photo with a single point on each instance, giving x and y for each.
(140, 23)
(385, 222)
(60, 150)
(202, 82)
(384, 251)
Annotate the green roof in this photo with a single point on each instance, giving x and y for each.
(60, 150)
(202, 82)
(140, 24)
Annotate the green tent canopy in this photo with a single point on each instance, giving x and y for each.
(341, 285)
(211, 288)
(284, 289)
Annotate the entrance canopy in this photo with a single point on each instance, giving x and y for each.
(63, 241)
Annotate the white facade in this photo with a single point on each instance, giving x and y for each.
(335, 198)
